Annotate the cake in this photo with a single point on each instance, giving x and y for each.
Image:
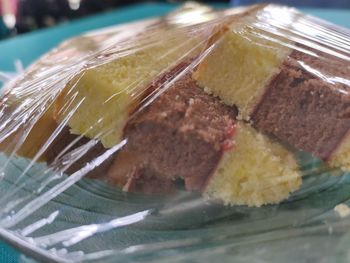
(146, 97)
(185, 135)
(285, 89)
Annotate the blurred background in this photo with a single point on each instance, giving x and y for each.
(21, 16)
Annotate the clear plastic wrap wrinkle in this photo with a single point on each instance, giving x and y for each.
(197, 136)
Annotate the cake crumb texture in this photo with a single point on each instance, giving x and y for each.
(255, 172)
(239, 66)
(342, 210)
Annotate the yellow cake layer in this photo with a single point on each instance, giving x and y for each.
(255, 172)
(239, 66)
(104, 96)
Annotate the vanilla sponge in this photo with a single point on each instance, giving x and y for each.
(257, 171)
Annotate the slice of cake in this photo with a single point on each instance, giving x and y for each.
(291, 91)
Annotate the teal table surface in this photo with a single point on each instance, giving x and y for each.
(29, 47)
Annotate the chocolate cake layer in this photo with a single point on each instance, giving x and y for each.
(181, 134)
(307, 104)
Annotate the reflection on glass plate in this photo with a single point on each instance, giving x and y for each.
(93, 220)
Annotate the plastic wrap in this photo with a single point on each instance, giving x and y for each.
(199, 136)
